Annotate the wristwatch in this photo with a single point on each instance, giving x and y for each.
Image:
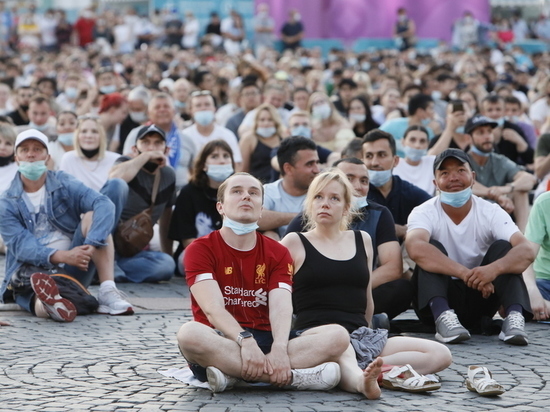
(245, 334)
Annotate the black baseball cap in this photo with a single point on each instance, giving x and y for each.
(146, 130)
(445, 154)
(477, 121)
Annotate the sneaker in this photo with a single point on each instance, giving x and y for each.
(59, 309)
(448, 328)
(513, 329)
(322, 377)
(218, 380)
(113, 302)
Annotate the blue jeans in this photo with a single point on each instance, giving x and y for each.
(544, 287)
(146, 266)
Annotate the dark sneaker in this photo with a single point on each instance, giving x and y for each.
(513, 329)
(218, 380)
(448, 328)
(59, 309)
(319, 378)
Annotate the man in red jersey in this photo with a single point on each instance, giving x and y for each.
(241, 284)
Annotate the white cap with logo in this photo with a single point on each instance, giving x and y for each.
(31, 134)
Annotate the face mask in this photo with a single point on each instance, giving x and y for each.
(379, 177)
(66, 139)
(42, 127)
(33, 170)
(303, 131)
(138, 117)
(478, 152)
(359, 118)
(204, 117)
(107, 89)
(513, 119)
(365, 66)
(6, 160)
(352, 61)
(265, 131)
(71, 92)
(239, 228)
(151, 166)
(322, 111)
(414, 154)
(456, 199)
(218, 173)
(358, 202)
(180, 105)
(304, 61)
(426, 122)
(436, 95)
(459, 129)
(500, 121)
(24, 107)
(89, 153)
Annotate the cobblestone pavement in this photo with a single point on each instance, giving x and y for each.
(103, 363)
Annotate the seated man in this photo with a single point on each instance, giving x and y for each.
(241, 284)
(299, 164)
(391, 294)
(139, 171)
(469, 258)
(51, 222)
(498, 178)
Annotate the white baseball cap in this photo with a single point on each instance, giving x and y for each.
(31, 134)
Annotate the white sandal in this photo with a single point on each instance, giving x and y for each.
(484, 384)
(405, 378)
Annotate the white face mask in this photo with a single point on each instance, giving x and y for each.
(265, 131)
(322, 111)
(358, 117)
(138, 117)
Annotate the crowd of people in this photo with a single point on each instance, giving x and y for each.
(341, 190)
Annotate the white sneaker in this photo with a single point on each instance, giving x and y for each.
(113, 302)
(218, 380)
(319, 378)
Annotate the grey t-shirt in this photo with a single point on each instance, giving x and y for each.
(498, 171)
(141, 188)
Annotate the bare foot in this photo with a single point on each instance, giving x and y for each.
(369, 385)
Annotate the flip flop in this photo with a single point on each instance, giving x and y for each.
(481, 380)
(405, 378)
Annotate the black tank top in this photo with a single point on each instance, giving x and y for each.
(331, 291)
(260, 162)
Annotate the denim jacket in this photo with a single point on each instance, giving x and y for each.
(66, 199)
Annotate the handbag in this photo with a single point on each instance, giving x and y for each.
(133, 235)
(73, 290)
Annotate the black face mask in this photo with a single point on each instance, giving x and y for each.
(24, 107)
(151, 166)
(6, 160)
(89, 153)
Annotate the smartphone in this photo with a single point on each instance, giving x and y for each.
(458, 107)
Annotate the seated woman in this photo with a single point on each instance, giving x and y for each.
(89, 162)
(8, 166)
(195, 213)
(256, 144)
(330, 129)
(65, 127)
(332, 269)
(360, 116)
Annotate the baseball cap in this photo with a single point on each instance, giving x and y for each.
(31, 134)
(146, 130)
(477, 121)
(445, 154)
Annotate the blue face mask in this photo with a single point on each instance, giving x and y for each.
(358, 202)
(66, 139)
(219, 173)
(414, 154)
(239, 228)
(456, 199)
(180, 105)
(459, 129)
(322, 111)
(513, 119)
(71, 92)
(33, 170)
(303, 131)
(380, 177)
(479, 152)
(107, 89)
(436, 95)
(426, 122)
(41, 128)
(500, 121)
(265, 131)
(204, 117)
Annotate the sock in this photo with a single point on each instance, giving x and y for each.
(514, 307)
(106, 284)
(438, 305)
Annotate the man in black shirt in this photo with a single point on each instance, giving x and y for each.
(292, 31)
(23, 97)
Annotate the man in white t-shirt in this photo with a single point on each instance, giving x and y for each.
(204, 129)
(469, 256)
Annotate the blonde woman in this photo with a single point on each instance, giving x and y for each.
(257, 143)
(332, 267)
(330, 129)
(89, 162)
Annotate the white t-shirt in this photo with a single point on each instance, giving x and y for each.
(219, 132)
(421, 175)
(7, 173)
(468, 242)
(57, 152)
(539, 110)
(190, 34)
(93, 173)
(276, 199)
